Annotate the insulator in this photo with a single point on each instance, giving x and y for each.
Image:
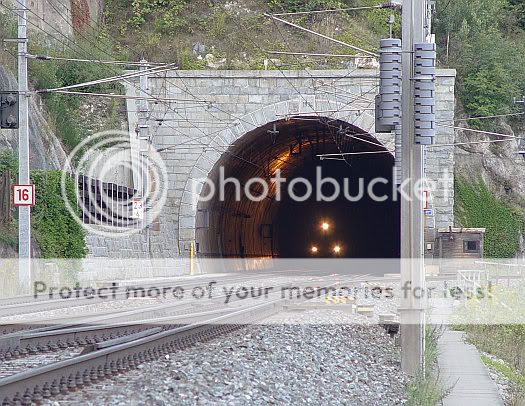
(388, 101)
(424, 93)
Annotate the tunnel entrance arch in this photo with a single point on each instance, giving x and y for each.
(288, 137)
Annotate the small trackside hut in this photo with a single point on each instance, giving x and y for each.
(456, 243)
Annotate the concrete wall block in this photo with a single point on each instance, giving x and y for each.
(281, 109)
(258, 117)
(255, 98)
(187, 210)
(268, 115)
(187, 222)
(189, 198)
(204, 165)
(187, 234)
(197, 173)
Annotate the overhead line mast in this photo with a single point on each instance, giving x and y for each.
(24, 213)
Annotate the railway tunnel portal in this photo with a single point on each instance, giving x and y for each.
(253, 123)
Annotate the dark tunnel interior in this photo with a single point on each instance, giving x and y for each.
(287, 228)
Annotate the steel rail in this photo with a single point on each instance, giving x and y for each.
(29, 304)
(60, 377)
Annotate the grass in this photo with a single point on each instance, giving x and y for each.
(516, 379)
(505, 340)
(425, 389)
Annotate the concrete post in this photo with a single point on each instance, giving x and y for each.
(24, 216)
(412, 316)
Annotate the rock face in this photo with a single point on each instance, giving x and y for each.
(46, 151)
(499, 165)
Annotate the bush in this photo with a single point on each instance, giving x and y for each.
(56, 231)
(8, 162)
(63, 109)
(476, 206)
(294, 6)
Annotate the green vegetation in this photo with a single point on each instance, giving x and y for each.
(505, 340)
(485, 41)
(507, 371)
(165, 30)
(476, 206)
(515, 379)
(9, 235)
(425, 388)
(293, 6)
(57, 233)
(8, 232)
(8, 162)
(64, 109)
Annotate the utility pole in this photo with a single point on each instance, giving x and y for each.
(412, 313)
(24, 216)
(144, 147)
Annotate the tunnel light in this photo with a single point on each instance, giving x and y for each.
(314, 249)
(325, 226)
(337, 249)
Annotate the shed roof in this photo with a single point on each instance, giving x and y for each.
(465, 230)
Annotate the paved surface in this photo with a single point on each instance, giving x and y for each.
(461, 368)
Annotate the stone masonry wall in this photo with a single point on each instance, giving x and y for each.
(194, 133)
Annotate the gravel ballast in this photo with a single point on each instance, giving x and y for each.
(336, 364)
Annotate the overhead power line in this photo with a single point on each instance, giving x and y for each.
(488, 117)
(477, 131)
(332, 156)
(104, 62)
(320, 55)
(121, 96)
(321, 35)
(110, 79)
(390, 5)
(454, 144)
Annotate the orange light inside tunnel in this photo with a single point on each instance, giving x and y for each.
(325, 226)
(314, 249)
(337, 249)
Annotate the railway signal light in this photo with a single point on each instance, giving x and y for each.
(9, 110)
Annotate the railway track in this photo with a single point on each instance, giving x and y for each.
(108, 358)
(91, 332)
(137, 343)
(27, 304)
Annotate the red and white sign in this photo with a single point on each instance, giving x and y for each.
(23, 195)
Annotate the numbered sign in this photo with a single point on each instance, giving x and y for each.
(23, 195)
(137, 209)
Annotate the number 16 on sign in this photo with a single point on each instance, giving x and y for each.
(23, 195)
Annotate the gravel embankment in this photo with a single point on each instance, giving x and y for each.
(282, 364)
